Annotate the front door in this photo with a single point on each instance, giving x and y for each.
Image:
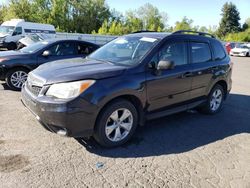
(173, 86)
(61, 50)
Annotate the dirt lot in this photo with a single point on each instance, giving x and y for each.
(183, 150)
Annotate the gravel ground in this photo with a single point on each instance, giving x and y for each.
(183, 150)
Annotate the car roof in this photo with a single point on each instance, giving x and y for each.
(158, 35)
(162, 35)
(50, 41)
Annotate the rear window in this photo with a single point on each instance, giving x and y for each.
(219, 52)
(200, 52)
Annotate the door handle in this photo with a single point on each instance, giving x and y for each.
(187, 74)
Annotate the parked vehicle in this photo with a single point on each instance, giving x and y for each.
(31, 39)
(133, 78)
(12, 31)
(240, 50)
(15, 65)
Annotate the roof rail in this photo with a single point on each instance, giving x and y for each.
(197, 32)
(143, 31)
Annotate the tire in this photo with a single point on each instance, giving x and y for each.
(247, 54)
(15, 78)
(216, 107)
(12, 46)
(109, 123)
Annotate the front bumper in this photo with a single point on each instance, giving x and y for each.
(74, 118)
(3, 45)
(238, 54)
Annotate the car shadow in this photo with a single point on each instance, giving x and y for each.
(182, 132)
(6, 87)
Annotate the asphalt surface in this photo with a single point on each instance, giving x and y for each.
(183, 150)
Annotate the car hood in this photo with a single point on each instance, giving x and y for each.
(239, 50)
(2, 35)
(76, 69)
(12, 54)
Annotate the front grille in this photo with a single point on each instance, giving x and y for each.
(35, 90)
(34, 84)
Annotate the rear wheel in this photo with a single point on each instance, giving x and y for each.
(215, 100)
(116, 123)
(15, 78)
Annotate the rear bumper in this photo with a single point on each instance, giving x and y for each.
(75, 118)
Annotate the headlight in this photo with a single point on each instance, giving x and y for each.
(70, 89)
(3, 59)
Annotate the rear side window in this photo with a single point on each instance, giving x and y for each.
(219, 52)
(200, 52)
(85, 49)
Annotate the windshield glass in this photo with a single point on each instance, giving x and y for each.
(6, 29)
(34, 47)
(125, 50)
(241, 46)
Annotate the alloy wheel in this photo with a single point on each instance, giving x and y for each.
(216, 100)
(18, 78)
(118, 125)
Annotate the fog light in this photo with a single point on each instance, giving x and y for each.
(62, 132)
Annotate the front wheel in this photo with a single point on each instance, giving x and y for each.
(215, 100)
(15, 78)
(116, 123)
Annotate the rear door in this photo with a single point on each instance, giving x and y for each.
(84, 49)
(203, 65)
(169, 86)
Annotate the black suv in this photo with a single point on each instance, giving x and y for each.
(133, 78)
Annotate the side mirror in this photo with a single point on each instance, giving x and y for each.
(46, 53)
(165, 65)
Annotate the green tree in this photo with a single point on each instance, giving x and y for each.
(22, 9)
(246, 25)
(151, 17)
(230, 20)
(184, 24)
(88, 15)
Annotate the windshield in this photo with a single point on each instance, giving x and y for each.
(34, 47)
(241, 46)
(125, 50)
(6, 29)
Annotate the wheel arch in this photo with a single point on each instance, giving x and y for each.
(131, 98)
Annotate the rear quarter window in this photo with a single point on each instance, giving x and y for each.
(219, 51)
(201, 52)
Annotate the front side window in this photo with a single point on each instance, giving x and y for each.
(17, 31)
(63, 49)
(127, 51)
(200, 52)
(175, 52)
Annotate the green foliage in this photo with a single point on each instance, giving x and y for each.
(246, 25)
(230, 20)
(146, 17)
(239, 37)
(81, 16)
(184, 24)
